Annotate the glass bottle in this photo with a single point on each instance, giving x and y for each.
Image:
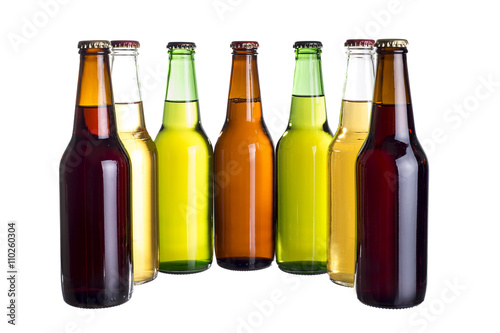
(244, 172)
(301, 155)
(350, 136)
(143, 158)
(185, 158)
(94, 176)
(392, 192)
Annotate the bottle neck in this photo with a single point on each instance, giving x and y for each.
(126, 89)
(244, 89)
(181, 98)
(308, 103)
(94, 80)
(392, 83)
(358, 89)
(392, 113)
(181, 79)
(94, 113)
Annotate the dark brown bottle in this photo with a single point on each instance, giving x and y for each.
(392, 192)
(244, 172)
(96, 266)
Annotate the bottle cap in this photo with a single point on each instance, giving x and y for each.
(359, 42)
(307, 45)
(127, 44)
(181, 45)
(94, 44)
(244, 45)
(391, 42)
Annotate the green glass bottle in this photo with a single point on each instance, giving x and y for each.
(185, 158)
(302, 161)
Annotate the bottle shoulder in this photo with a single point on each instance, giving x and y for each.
(295, 139)
(392, 150)
(176, 138)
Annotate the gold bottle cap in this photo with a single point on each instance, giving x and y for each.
(391, 42)
(244, 45)
(94, 44)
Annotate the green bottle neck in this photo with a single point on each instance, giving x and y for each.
(308, 102)
(181, 98)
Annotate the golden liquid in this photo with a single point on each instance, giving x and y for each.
(343, 151)
(185, 191)
(302, 224)
(144, 211)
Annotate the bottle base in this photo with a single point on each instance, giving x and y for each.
(244, 263)
(303, 267)
(342, 279)
(184, 266)
(388, 305)
(342, 283)
(95, 299)
(145, 279)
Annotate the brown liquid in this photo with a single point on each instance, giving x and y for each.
(244, 176)
(392, 193)
(96, 257)
(95, 217)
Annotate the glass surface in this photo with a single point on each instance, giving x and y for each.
(392, 193)
(96, 261)
(185, 191)
(302, 225)
(343, 153)
(143, 157)
(302, 183)
(244, 175)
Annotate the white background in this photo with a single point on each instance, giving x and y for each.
(453, 51)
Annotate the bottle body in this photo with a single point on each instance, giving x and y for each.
(392, 192)
(185, 164)
(144, 183)
(244, 175)
(185, 159)
(348, 140)
(302, 186)
(96, 264)
(143, 158)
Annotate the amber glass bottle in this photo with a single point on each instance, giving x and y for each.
(96, 263)
(244, 172)
(392, 192)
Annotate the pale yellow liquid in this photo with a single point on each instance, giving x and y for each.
(144, 210)
(343, 152)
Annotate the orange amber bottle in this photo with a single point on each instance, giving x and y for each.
(244, 172)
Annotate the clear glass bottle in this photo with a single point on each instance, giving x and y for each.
(392, 191)
(185, 171)
(302, 185)
(143, 157)
(94, 175)
(350, 136)
(244, 172)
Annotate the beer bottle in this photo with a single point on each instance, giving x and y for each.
(301, 155)
(392, 192)
(185, 158)
(96, 263)
(350, 136)
(244, 172)
(143, 158)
